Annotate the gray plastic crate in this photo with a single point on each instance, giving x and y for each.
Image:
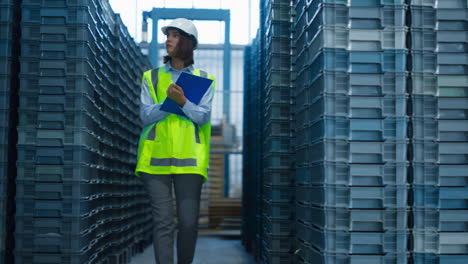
(352, 129)
(283, 177)
(278, 94)
(426, 196)
(66, 190)
(440, 107)
(441, 4)
(318, 257)
(278, 144)
(278, 194)
(440, 152)
(353, 151)
(278, 227)
(440, 85)
(440, 242)
(439, 18)
(352, 174)
(279, 160)
(440, 175)
(275, 257)
(362, 3)
(365, 17)
(331, 218)
(373, 197)
(439, 62)
(341, 37)
(278, 210)
(440, 129)
(360, 243)
(439, 40)
(357, 106)
(358, 84)
(439, 220)
(424, 258)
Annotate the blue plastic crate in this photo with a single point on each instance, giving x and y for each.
(440, 242)
(64, 155)
(357, 106)
(362, 3)
(57, 68)
(277, 243)
(360, 243)
(50, 258)
(341, 37)
(5, 48)
(320, 257)
(439, 62)
(440, 107)
(278, 78)
(353, 197)
(352, 129)
(356, 62)
(6, 29)
(425, 258)
(352, 151)
(352, 174)
(278, 144)
(278, 160)
(59, 50)
(280, 94)
(330, 218)
(439, 85)
(275, 257)
(277, 12)
(278, 61)
(281, 194)
(439, 18)
(426, 196)
(57, 15)
(357, 84)
(5, 65)
(278, 29)
(429, 39)
(440, 152)
(440, 175)
(6, 12)
(364, 17)
(439, 129)
(440, 220)
(278, 210)
(283, 177)
(65, 190)
(440, 4)
(58, 86)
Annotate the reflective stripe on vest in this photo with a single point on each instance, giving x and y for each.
(174, 145)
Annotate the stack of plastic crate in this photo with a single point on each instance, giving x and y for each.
(8, 91)
(252, 163)
(350, 125)
(439, 62)
(77, 200)
(128, 68)
(278, 193)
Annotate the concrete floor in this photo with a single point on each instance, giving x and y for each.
(212, 248)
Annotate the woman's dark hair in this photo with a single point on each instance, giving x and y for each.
(184, 49)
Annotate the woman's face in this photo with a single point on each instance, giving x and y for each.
(173, 36)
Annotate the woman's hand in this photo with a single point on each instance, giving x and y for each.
(176, 93)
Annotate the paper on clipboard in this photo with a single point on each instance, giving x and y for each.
(194, 88)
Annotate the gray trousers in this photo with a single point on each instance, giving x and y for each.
(187, 189)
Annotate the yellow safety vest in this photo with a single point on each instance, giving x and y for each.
(174, 145)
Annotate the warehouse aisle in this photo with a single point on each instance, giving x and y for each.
(211, 249)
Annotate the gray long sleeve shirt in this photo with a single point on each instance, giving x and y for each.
(151, 113)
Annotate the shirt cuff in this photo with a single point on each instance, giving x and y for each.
(188, 107)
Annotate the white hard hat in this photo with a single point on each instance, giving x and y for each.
(185, 25)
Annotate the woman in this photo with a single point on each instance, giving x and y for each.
(174, 149)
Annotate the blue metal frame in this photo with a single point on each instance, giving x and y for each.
(199, 14)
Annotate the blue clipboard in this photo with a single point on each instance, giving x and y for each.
(194, 88)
